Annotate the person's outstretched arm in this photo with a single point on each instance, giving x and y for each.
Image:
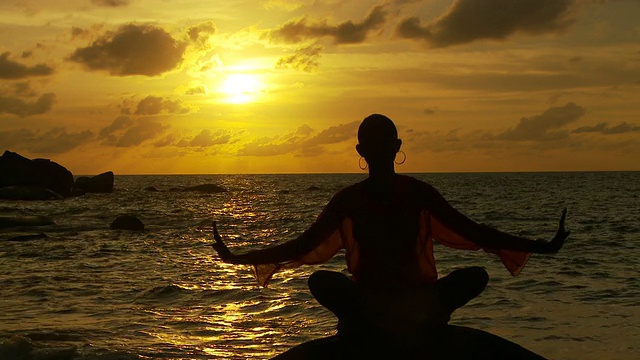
(288, 251)
(486, 236)
(315, 238)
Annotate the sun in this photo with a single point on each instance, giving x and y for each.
(242, 88)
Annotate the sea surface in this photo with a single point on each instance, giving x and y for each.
(164, 294)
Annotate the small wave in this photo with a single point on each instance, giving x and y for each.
(163, 292)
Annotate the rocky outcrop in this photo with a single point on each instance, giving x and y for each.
(127, 222)
(17, 170)
(206, 188)
(102, 183)
(28, 193)
(13, 221)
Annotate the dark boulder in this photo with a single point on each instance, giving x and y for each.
(28, 193)
(127, 222)
(102, 183)
(27, 237)
(28, 220)
(206, 188)
(17, 170)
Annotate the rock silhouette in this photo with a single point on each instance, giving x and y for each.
(102, 183)
(12, 221)
(28, 193)
(127, 222)
(17, 170)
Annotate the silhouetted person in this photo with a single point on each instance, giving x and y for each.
(387, 224)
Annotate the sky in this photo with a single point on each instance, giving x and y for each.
(275, 86)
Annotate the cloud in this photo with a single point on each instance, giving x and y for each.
(23, 89)
(132, 50)
(604, 128)
(154, 105)
(127, 132)
(335, 134)
(541, 127)
(206, 138)
(347, 32)
(22, 108)
(199, 34)
(11, 70)
(54, 141)
(111, 3)
(196, 90)
(300, 143)
(470, 20)
(305, 59)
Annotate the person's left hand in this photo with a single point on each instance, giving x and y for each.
(558, 240)
(220, 247)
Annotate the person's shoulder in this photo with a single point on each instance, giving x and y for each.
(346, 193)
(417, 187)
(413, 182)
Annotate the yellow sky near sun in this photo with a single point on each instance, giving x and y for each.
(146, 86)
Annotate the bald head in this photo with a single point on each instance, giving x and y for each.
(377, 129)
(378, 139)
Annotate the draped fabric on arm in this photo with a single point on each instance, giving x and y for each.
(316, 245)
(324, 251)
(453, 229)
(514, 261)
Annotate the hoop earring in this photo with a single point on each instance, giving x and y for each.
(363, 167)
(404, 158)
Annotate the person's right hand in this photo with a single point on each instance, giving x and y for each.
(220, 247)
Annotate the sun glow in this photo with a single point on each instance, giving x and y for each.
(242, 88)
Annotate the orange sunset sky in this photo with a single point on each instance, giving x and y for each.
(275, 86)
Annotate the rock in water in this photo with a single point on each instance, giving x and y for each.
(12, 221)
(16, 347)
(206, 188)
(16, 170)
(28, 193)
(102, 183)
(127, 222)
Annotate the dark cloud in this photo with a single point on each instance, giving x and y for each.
(206, 138)
(305, 59)
(11, 70)
(545, 125)
(604, 128)
(196, 90)
(126, 132)
(199, 34)
(347, 32)
(54, 141)
(23, 89)
(335, 134)
(301, 143)
(154, 105)
(304, 130)
(132, 50)
(22, 108)
(111, 3)
(470, 20)
(165, 141)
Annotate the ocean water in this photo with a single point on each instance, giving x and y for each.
(163, 294)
